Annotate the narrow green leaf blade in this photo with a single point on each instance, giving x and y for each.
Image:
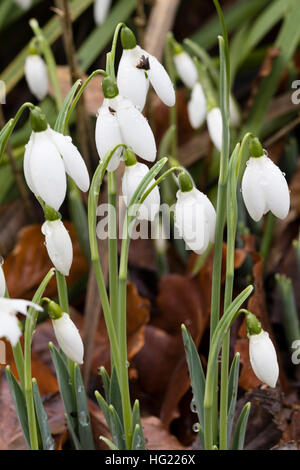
(84, 421)
(240, 428)
(48, 441)
(232, 391)
(196, 373)
(20, 403)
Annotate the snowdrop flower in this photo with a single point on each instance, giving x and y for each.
(59, 245)
(215, 126)
(120, 122)
(197, 106)
(68, 338)
(195, 216)
(36, 75)
(9, 323)
(262, 352)
(133, 175)
(264, 186)
(2, 282)
(24, 4)
(136, 68)
(49, 155)
(101, 9)
(185, 66)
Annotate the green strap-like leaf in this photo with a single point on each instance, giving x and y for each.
(61, 118)
(138, 440)
(116, 429)
(196, 373)
(42, 418)
(240, 428)
(115, 398)
(83, 414)
(232, 392)
(20, 403)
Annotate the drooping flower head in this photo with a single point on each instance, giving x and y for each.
(66, 332)
(197, 106)
(185, 66)
(9, 323)
(120, 122)
(262, 352)
(59, 245)
(136, 68)
(49, 155)
(264, 187)
(195, 216)
(36, 73)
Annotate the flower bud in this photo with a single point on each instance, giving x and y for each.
(215, 126)
(68, 338)
(197, 106)
(59, 245)
(36, 75)
(186, 69)
(263, 358)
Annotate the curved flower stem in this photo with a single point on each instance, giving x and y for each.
(78, 95)
(160, 179)
(10, 125)
(51, 64)
(114, 47)
(29, 330)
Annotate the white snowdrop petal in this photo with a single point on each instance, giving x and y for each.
(263, 358)
(190, 220)
(186, 69)
(132, 81)
(253, 189)
(276, 189)
(20, 305)
(2, 282)
(47, 171)
(72, 159)
(136, 131)
(68, 338)
(36, 75)
(210, 215)
(101, 9)
(108, 135)
(161, 81)
(59, 245)
(132, 177)
(197, 107)
(214, 125)
(26, 167)
(9, 328)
